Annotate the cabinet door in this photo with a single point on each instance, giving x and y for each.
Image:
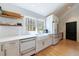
(11, 48)
(39, 45)
(50, 40)
(1, 49)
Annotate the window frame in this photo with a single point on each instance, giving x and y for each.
(36, 24)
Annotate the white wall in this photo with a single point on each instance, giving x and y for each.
(6, 31)
(71, 16)
(12, 7)
(52, 27)
(49, 20)
(9, 30)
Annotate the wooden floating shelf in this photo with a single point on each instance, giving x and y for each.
(9, 14)
(9, 17)
(9, 25)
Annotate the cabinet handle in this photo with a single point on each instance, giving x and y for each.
(5, 52)
(1, 47)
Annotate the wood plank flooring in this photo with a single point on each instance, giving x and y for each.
(63, 48)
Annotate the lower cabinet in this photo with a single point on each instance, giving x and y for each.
(49, 40)
(39, 45)
(10, 48)
(42, 43)
(57, 38)
(1, 50)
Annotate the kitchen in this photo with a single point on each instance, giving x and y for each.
(25, 33)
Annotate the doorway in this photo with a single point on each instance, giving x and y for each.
(71, 31)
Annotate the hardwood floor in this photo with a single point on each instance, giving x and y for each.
(64, 48)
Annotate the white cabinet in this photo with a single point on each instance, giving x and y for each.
(49, 40)
(39, 45)
(11, 48)
(43, 42)
(57, 38)
(1, 49)
(27, 46)
(55, 28)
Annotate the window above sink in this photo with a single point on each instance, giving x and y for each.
(34, 25)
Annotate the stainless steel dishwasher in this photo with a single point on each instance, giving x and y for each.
(27, 46)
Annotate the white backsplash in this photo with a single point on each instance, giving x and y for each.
(6, 31)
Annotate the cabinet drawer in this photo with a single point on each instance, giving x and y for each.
(27, 45)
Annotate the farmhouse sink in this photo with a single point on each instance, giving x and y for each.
(43, 34)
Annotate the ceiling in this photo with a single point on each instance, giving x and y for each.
(43, 9)
(63, 10)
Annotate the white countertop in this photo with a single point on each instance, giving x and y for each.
(18, 37)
